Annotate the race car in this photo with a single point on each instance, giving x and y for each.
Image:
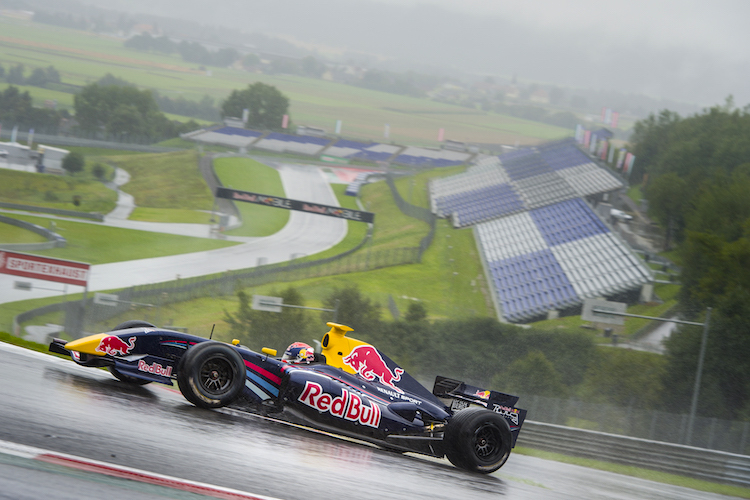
(348, 388)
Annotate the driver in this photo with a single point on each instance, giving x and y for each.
(299, 353)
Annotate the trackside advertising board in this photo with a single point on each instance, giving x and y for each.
(43, 268)
(302, 206)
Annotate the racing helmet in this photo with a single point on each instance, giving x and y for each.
(298, 353)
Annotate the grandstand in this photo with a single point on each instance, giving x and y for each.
(544, 247)
(424, 157)
(225, 136)
(554, 257)
(286, 143)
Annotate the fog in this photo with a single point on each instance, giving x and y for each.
(684, 50)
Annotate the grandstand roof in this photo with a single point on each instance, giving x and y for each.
(538, 176)
(362, 151)
(286, 143)
(227, 136)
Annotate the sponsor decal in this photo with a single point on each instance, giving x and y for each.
(348, 406)
(367, 361)
(289, 204)
(482, 394)
(333, 211)
(32, 266)
(507, 412)
(459, 404)
(396, 395)
(155, 368)
(115, 346)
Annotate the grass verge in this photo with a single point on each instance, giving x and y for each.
(97, 244)
(639, 472)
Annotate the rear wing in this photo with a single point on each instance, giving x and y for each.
(463, 395)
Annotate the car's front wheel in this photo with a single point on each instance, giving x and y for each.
(478, 440)
(211, 374)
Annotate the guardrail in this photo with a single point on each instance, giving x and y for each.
(54, 240)
(53, 211)
(699, 463)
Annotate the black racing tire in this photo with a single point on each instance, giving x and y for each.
(211, 374)
(134, 323)
(477, 440)
(127, 378)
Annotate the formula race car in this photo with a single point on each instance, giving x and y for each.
(349, 388)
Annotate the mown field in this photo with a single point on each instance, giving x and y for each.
(83, 57)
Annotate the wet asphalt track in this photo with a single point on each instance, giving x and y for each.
(53, 404)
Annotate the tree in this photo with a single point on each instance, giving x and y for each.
(38, 78)
(267, 105)
(416, 312)
(98, 171)
(16, 107)
(73, 162)
(53, 76)
(532, 374)
(668, 197)
(2, 71)
(15, 75)
(271, 329)
(354, 309)
(250, 61)
(624, 377)
(120, 110)
(699, 174)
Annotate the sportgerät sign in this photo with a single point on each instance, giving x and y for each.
(43, 268)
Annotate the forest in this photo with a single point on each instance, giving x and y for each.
(695, 173)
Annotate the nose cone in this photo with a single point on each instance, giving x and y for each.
(87, 345)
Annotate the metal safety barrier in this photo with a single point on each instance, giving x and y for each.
(699, 463)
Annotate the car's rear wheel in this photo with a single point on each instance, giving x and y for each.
(211, 374)
(128, 379)
(478, 440)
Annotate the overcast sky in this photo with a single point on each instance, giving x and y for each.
(695, 51)
(721, 24)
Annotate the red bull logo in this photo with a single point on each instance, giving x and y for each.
(483, 394)
(366, 361)
(507, 412)
(155, 368)
(348, 406)
(114, 346)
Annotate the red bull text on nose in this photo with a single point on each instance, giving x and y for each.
(366, 361)
(114, 346)
(348, 406)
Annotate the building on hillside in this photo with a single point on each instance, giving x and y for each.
(50, 159)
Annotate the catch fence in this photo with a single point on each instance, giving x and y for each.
(708, 432)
